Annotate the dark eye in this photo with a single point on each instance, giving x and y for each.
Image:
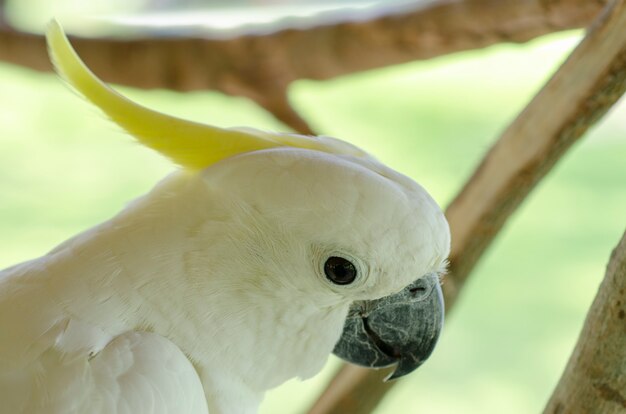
(339, 270)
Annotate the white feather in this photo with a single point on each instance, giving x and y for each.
(224, 268)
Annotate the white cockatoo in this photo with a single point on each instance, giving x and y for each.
(234, 274)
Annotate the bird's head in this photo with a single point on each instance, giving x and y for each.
(314, 216)
(343, 230)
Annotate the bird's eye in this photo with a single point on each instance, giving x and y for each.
(339, 270)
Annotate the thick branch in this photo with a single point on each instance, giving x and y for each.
(261, 67)
(582, 90)
(260, 62)
(594, 381)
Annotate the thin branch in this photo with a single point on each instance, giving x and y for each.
(591, 80)
(594, 381)
(262, 66)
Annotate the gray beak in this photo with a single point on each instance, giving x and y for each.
(399, 329)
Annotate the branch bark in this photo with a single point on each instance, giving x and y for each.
(591, 80)
(594, 381)
(261, 67)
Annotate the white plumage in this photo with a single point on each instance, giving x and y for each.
(210, 289)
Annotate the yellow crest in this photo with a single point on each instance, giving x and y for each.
(190, 144)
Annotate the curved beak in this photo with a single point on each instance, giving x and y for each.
(399, 329)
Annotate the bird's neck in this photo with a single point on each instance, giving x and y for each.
(122, 273)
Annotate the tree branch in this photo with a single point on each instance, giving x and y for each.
(261, 66)
(591, 80)
(583, 89)
(594, 381)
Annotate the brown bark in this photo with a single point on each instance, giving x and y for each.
(591, 80)
(261, 67)
(594, 381)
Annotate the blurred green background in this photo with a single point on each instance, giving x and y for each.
(64, 168)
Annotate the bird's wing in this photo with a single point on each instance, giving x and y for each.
(146, 373)
(136, 372)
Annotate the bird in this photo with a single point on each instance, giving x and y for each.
(260, 255)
